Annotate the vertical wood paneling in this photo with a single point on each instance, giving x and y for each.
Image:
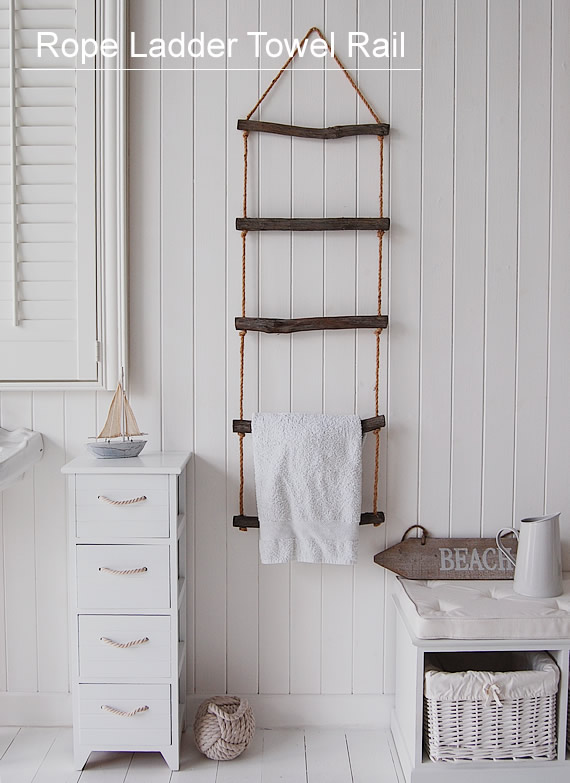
(274, 198)
(404, 287)
(558, 439)
(145, 292)
(469, 266)
(534, 241)
(210, 346)
(339, 347)
(437, 265)
(50, 544)
(368, 602)
(176, 236)
(501, 273)
(80, 421)
(307, 349)
(243, 557)
(476, 286)
(177, 268)
(20, 560)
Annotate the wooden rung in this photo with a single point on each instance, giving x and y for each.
(368, 425)
(334, 132)
(368, 518)
(313, 224)
(289, 325)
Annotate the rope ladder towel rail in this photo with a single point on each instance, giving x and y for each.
(376, 517)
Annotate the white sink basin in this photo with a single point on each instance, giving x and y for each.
(19, 450)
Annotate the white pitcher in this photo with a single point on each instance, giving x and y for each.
(538, 566)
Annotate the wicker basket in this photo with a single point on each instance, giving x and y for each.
(490, 706)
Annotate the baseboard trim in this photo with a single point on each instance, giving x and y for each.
(299, 711)
(271, 711)
(35, 709)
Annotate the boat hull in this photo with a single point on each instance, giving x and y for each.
(115, 450)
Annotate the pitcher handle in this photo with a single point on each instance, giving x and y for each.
(503, 531)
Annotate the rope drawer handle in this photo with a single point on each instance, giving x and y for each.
(122, 713)
(128, 502)
(124, 645)
(126, 572)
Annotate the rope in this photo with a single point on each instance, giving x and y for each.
(124, 645)
(338, 62)
(126, 572)
(122, 713)
(378, 332)
(129, 502)
(223, 727)
(243, 260)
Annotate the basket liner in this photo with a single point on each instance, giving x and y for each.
(517, 675)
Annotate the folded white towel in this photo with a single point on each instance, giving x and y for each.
(308, 482)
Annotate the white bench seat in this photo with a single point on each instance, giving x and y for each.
(481, 610)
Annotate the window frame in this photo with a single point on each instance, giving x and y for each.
(108, 231)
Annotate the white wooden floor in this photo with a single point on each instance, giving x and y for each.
(43, 755)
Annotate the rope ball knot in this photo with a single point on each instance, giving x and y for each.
(223, 727)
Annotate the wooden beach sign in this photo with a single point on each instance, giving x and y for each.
(447, 558)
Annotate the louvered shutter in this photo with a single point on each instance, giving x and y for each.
(54, 112)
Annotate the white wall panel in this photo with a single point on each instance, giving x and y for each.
(404, 291)
(558, 431)
(243, 558)
(534, 260)
(437, 265)
(469, 264)
(270, 194)
(475, 373)
(307, 371)
(210, 432)
(502, 262)
(369, 593)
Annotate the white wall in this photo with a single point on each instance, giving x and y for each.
(474, 363)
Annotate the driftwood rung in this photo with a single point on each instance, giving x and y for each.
(333, 132)
(313, 224)
(368, 425)
(289, 325)
(368, 518)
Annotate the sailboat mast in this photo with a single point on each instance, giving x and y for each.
(123, 411)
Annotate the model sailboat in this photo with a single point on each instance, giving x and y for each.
(116, 438)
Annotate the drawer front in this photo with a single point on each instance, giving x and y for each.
(102, 583)
(145, 650)
(98, 725)
(97, 512)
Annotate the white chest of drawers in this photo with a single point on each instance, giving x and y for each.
(128, 603)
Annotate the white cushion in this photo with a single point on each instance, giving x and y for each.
(482, 610)
(472, 676)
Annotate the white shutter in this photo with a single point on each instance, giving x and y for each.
(56, 262)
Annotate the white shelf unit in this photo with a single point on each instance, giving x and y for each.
(408, 712)
(128, 584)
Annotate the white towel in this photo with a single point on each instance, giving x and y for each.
(308, 482)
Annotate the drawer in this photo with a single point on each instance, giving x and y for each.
(102, 583)
(97, 515)
(100, 653)
(148, 728)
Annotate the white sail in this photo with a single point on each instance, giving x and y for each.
(112, 427)
(120, 419)
(131, 426)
